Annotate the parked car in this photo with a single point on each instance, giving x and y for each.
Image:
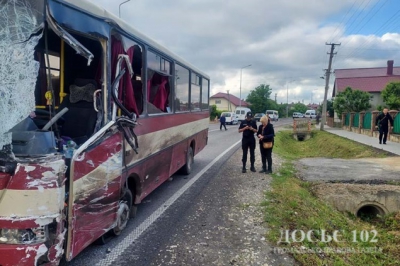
(273, 114)
(230, 118)
(310, 114)
(297, 115)
(257, 116)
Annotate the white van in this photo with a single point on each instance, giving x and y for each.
(241, 112)
(230, 118)
(310, 114)
(273, 114)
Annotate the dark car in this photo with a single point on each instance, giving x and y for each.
(257, 116)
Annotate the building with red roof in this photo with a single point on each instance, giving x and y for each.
(372, 80)
(226, 102)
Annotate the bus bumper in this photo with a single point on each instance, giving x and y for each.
(23, 255)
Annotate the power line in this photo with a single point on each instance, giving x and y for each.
(372, 16)
(376, 33)
(338, 37)
(359, 13)
(348, 11)
(366, 42)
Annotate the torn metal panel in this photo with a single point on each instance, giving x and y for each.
(71, 18)
(34, 191)
(68, 38)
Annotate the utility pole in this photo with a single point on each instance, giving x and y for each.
(327, 76)
(275, 96)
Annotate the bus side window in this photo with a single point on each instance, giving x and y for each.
(158, 83)
(181, 89)
(130, 90)
(195, 92)
(204, 93)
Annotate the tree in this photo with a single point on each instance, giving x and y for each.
(329, 108)
(258, 98)
(351, 101)
(299, 107)
(391, 95)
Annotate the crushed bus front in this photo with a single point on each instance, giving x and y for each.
(32, 218)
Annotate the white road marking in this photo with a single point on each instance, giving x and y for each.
(136, 233)
(223, 129)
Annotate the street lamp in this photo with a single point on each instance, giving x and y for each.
(287, 97)
(229, 102)
(240, 88)
(120, 7)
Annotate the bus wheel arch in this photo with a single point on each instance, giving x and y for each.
(132, 182)
(123, 213)
(187, 168)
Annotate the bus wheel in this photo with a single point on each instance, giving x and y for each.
(187, 168)
(123, 213)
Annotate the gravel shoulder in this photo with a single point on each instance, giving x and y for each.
(226, 224)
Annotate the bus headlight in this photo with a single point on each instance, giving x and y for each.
(23, 236)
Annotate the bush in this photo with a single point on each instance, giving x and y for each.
(214, 112)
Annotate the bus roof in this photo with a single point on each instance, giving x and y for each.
(103, 14)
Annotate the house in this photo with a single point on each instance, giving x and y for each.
(313, 106)
(372, 80)
(226, 102)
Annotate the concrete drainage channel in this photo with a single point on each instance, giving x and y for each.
(363, 187)
(302, 129)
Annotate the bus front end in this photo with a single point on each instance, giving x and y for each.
(32, 219)
(32, 174)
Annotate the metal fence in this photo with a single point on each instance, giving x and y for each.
(396, 124)
(356, 120)
(367, 120)
(347, 119)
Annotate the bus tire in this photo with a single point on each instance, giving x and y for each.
(187, 168)
(124, 209)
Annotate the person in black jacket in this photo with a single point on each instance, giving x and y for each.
(222, 120)
(383, 121)
(248, 127)
(266, 133)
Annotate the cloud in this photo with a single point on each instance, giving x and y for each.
(282, 40)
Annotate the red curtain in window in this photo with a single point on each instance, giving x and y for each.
(125, 89)
(160, 98)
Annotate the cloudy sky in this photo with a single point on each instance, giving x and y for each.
(283, 41)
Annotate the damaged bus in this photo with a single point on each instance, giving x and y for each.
(93, 117)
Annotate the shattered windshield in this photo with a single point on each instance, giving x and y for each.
(18, 69)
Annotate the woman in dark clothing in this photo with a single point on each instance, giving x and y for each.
(266, 133)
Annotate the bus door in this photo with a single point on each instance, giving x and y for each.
(97, 201)
(94, 188)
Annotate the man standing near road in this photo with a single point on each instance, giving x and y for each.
(383, 121)
(248, 127)
(222, 120)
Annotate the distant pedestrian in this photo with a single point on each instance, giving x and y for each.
(317, 118)
(222, 120)
(266, 135)
(382, 121)
(248, 127)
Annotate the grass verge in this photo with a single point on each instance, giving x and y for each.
(322, 144)
(290, 205)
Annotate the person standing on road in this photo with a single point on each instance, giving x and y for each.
(383, 121)
(248, 127)
(266, 134)
(222, 120)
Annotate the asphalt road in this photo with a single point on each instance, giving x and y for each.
(162, 210)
